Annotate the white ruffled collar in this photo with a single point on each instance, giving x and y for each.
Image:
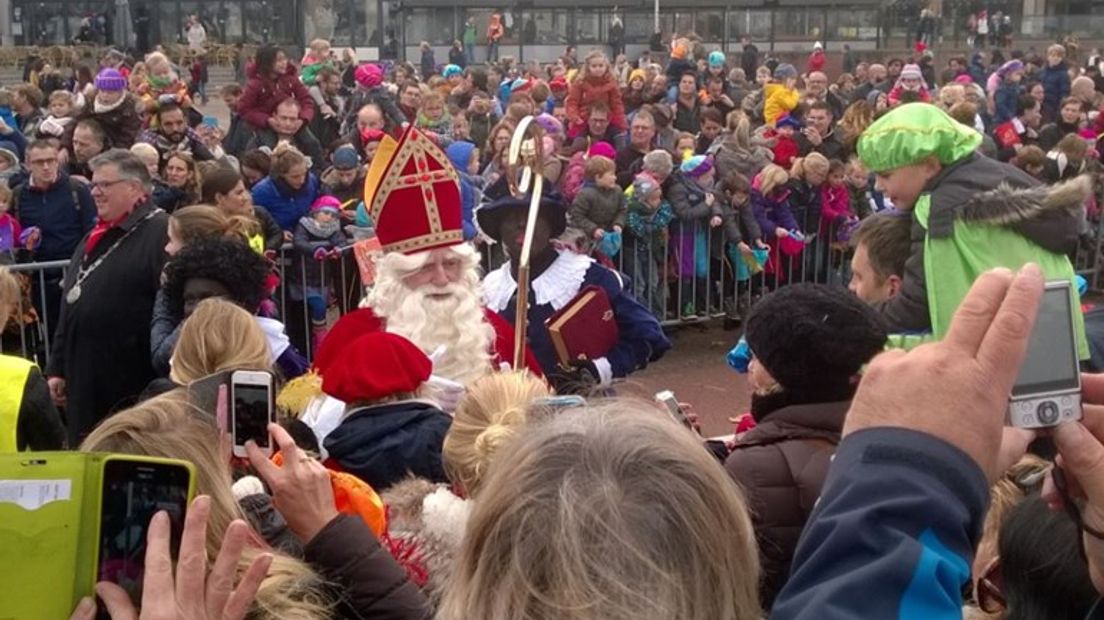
(278, 340)
(557, 286)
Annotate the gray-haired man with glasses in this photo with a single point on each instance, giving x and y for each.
(101, 353)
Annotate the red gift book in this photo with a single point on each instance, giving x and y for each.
(585, 328)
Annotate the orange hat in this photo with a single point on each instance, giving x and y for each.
(353, 496)
(413, 193)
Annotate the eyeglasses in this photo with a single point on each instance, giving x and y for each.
(43, 162)
(103, 186)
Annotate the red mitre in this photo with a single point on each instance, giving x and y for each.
(412, 192)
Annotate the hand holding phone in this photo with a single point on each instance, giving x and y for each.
(671, 404)
(251, 399)
(301, 489)
(187, 597)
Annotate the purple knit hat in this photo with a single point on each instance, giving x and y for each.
(697, 166)
(110, 80)
(550, 124)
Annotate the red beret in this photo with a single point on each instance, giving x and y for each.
(332, 348)
(376, 365)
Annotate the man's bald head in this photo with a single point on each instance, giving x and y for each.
(816, 83)
(877, 72)
(370, 117)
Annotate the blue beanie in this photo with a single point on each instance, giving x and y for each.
(716, 59)
(451, 70)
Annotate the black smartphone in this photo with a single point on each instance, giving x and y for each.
(133, 491)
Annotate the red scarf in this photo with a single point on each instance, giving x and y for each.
(98, 232)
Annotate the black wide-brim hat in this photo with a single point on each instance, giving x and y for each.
(552, 209)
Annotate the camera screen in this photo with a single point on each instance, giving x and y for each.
(251, 406)
(1051, 362)
(132, 493)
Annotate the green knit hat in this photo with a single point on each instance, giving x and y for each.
(912, 132)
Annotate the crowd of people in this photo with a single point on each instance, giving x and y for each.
(430, 465)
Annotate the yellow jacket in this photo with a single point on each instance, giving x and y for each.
(778, 100)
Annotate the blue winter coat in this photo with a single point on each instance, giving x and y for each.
(383, 444)
(893, 533)
(1005, 99)
(1056, 86)
(284, 204)
(459, 153)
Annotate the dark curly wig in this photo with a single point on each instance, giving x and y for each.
(230, 262)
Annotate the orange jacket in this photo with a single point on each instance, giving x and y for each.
(585, 92)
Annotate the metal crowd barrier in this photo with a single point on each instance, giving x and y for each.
(686, 276)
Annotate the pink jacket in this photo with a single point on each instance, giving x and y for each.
(835, 205)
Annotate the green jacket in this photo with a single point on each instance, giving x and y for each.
(978, 214)
(469, 36)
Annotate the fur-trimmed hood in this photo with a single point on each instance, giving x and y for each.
(982, 191)
(1007, 205)
(426, 524)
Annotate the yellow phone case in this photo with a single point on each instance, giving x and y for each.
(49, 527)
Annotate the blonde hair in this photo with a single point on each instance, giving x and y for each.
(492, 412)
(856, 118)
(611, 512)
(813, 162)
(1057, 49)
(157, 59)
(202, 221)
(319, 45)
(284, 158)
(218, 336)
(169, 426)
(11, 294)
(771, 178)
(146, 152)
(61, 95)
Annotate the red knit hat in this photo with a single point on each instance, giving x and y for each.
(376, 365)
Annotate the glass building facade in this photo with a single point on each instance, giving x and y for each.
(534, 30)
(289, 22)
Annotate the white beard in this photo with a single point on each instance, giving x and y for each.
(455, 322)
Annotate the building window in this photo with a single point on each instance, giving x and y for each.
(43, 23)
(853, 24)
(482, 17)
(590, 27)
(710, 26)
(799, 23)
(328, 19)
(754, 24)
(549, 27)
(432, 25)
(639, 27)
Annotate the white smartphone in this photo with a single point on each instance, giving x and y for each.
(1048, 388)
(671, 404)
(251, 410)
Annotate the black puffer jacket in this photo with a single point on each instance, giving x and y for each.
(781, 465)
(372, 584)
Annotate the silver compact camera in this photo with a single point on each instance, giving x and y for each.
(1048, 388)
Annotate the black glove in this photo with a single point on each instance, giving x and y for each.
(580, 377)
